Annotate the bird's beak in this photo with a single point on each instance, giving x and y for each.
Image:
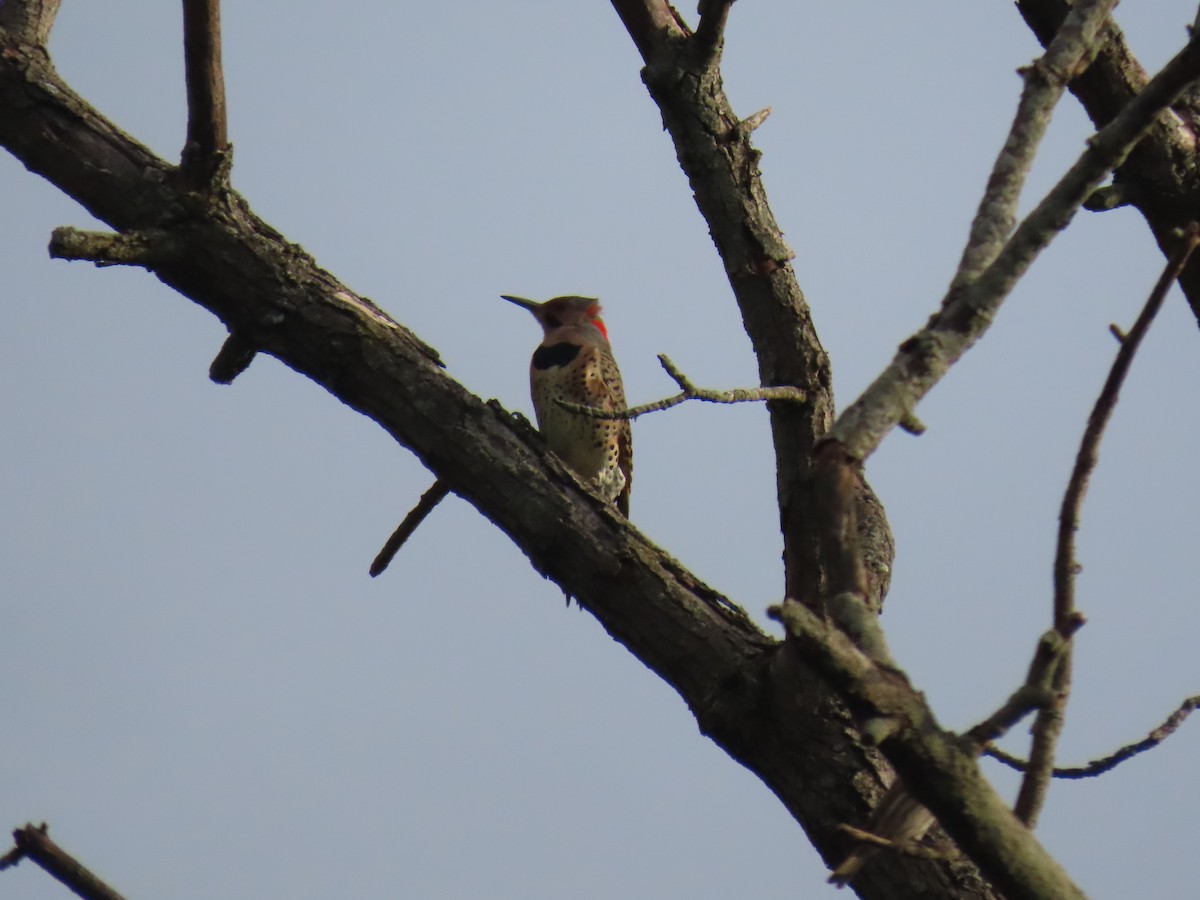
(530, 305)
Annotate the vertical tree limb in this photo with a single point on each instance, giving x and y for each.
(207, 145)
(30, 21)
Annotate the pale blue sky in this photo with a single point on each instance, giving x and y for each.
(206, 696)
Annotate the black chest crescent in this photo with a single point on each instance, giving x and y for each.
(555, 356)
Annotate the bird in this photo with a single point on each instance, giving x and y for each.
(574, 362)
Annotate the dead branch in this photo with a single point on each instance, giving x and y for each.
(1045, 81)
(206, 154)
(431, 498)
(689, 391)
(1048, 725)
(710, 33)
(1108, 763)
(29, 22)
(958, 794)
(967, 314)
(33, 843)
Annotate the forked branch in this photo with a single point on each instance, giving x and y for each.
(1048, 725)
(689, 391)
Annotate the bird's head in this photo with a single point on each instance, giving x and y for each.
(564, 312)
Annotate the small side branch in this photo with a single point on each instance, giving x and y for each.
(206, 153)
(135, 248)
(32, 842)
(232, 359)
(1109, 196)
(907, 848)
(1110, 762)
(1048, 726)
(710, 33)
(431, 498)
(1065, 565)
(689, 391)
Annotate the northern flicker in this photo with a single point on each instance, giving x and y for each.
(574, 362)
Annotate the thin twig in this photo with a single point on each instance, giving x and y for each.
(907, 848)
(689, 392)
(206, 150)
(966, 315)
(33, 843)
(1065, 565)
(431, 498)
(1110, 762)
(1048, 725)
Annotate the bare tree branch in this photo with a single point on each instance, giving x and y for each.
(134, 248)
(1035, 693)
(30, 21)
(1045, 81)
(712, 144)
(710, 33)
(1048, 725)
(962, 799)
(1108, 763)
(967, 314)
(909, 848)
(688, 392)
(206, 154)
(231, 360)
(430, 499)
(1152, 178)
(650, 23)
(32, 842)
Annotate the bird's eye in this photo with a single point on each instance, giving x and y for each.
(552, 321)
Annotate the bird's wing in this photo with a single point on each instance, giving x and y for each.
(611, 394)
